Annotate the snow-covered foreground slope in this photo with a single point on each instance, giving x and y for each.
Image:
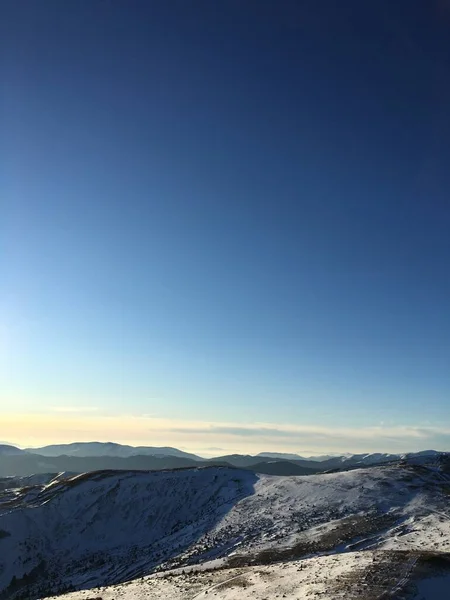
(370, 575)
(107, 527)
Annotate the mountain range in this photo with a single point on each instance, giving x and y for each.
(80, 457)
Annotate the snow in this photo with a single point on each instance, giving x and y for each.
(294, 580)
(431, 532)
(104, 528)
(356, 575)
(110, 526)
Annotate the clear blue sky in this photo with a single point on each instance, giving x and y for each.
(232, 212)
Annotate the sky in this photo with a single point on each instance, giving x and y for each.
(224, 226)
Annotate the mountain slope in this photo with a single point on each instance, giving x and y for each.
(370, 575)
(280, 455)
(106, 527)
(237, 460)
(280, 467)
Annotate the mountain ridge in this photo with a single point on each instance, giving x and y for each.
(9, 450)
(87, 449)
(33, 464)
(93, 456)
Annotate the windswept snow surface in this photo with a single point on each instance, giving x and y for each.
(352, 576)
(108, 527)
(294, 580)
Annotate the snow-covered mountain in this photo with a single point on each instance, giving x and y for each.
(86, 449)
(106, 527)
(289, 456)
(109, 526)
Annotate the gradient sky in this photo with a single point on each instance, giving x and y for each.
(225, 226)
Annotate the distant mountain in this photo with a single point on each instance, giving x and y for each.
(85, 449)
(82, 457)
(328, 463)
(368, 459)
(288, 456)
(27, 464)
(323, 457)
(237, 460)
(424, 453)
(426, 456)
(7, 450)
(312, 465)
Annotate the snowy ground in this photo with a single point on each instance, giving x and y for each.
(368, 575)
(377, 526)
